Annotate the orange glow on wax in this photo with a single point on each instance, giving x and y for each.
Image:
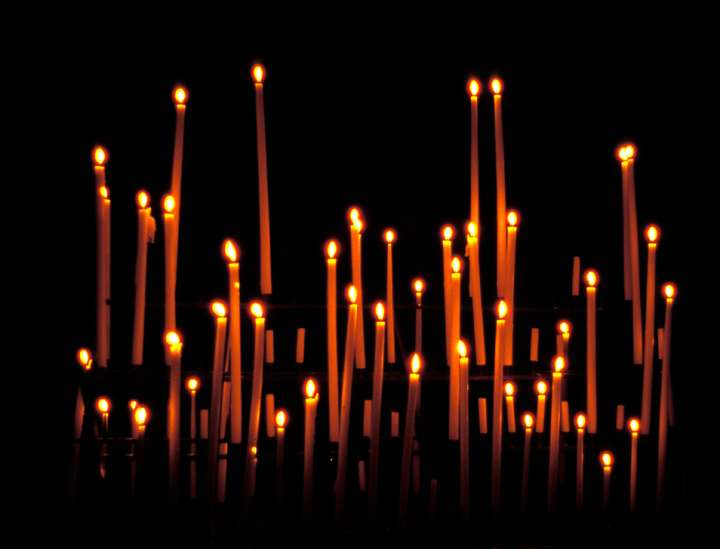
(471, 230)
(380, 311)
(652, 234)
(559, 364)
(104, 191)
(591, 278)
(141, 415)
(389, 236)
(447, 232)
(280, 418)
(634, 425)
(541, 387)
(180, 95)
(352, 294)
(256, 310)
(474, 87)
(230, 251)
(103, 405)
(462, 349)
(310, 388)
(496, 86)
(258, 73)
(84, 357)
(606, 459)
(218, 309)
(528, 420)
(512, 218)
(415, 363)
(142, 199)
(669, 290)
(193, 383)
(501, 309)
(580, 421)
(99, 155)
(509, 389)
(169, 204)
(331, 249)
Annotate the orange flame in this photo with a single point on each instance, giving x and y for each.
(496, 85)
(380, 311)
(103, 405)
(462, 348)
(591, 278)
(142, 199)
(630, 152)
(447, 232)
(141, 415)
(352, 294)
(528, 420)
(193, 383)
(607, 459)
(218, 308)
(173, 339)
(669, 290)
(280, 418)
(169, 204)
(258, 73)
(230, 251)
(474, 87)
(310, 388)
(509, 389)
(180, 95)
(456, 264)
(84, 358)
(331, 249)
(471, 230)
(256, 310)
(580, 421)
(652, 233)
(512, 218)
(418, 285)
(416, 363)
(541, 387)
(564, 327)
(559, 364)
(99, 155)
(634, 425)
(254, 450)
(133, 404)
(104, 191)
(389, 236)
(502, 309)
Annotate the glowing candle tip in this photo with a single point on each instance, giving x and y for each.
(389, 236)
(103, 405)
(559, 364)
(310, 388)
(607, 459)
(352, 294)
(634, 425)
(502, 309)
(528, 420)
(496, 85)
(471, 229)
(280, 418)
(380, 311)
(669, 290)
(512, 218)
(84, 357)
(256, 309)
(193, 383)
(218, 308)
(462, 349)
(474, 87)
(447, 232)
(652, 234)
(331, 249)
(580, 421)
(591, 278)
(180, 95)
(99, 156)
(415, 363)
(141, 415)
(142, 199)
(169, 204)
(541, 387)
(258, 73)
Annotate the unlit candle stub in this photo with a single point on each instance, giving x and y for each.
(366, 418)
(620, 417)
(534, 337)
(565, 416)
(576, 276)
(270, 414)
(300, 348)
(395, 424)
(203, 424)
(269, 347)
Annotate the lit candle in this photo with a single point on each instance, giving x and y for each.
(474, 90)
(476, 294)
(606, 460)
(390, 239)
(497, 86)
(651, 235)
(102, 328)
(310, 414)
(219, 311)
(84, 358)
(454, 362)
(231, 254)
(669, 290)
(627, 156)
(331, 249)
(512, 221)
(280, 422)
(634, 426)
(447, 234)
(579, 463)
(375, 413)
(591, 279)
(265, 265)
(555, 434)
(146, 233)
(418, 286)
(415, 365)
(174, 344)
(140, 417)
(497, 408)
(356, 227)
(170, 220)
(256, 310)
(192, 384)
(528, 422)
(180, 96)
(509, 392)
(345, 409)
(541, 388)
(627, 277)
(464, 433)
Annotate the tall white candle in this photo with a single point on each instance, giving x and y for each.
(447, 234)
(170, 221)
(591, 279)
(652, 235)
(479, 329)
(180, 95)
(219, 311)
(375, 413)
(454, 362)
(541, 388)
(414, 382)
(669, 291)
(356, 228)
(497, 408)
(331, 250)
(102, 343)
(497, 88)
(311, 401)
(555, 434)
(265, 264)
(174, 343)
(512, 222)
(464, 433)
(231, 254)
(634, 425)
(390, 300)
(579, 463)
(141, 276)
(606, 459)
(528, 422)
(192, 384)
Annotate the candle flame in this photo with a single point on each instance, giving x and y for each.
(359, 225)
(564, 327)
(256, 310)
(456, 264)
(418, 285)
(502, 309)
(173, 339)
(331, 249)
(169, 204)
(462, 349)
(258, 73)
(133, 404)
(280, 418)
(626, 153)
(471, 229)
(355, 218)
(193, 383)
(84, 357)
(352, 294)
(669, 290)
(474, 87)
(141, 415)
(416, 363)
(254, 450)
(591, 278)
(559, 364)
(541, 387)
(230, 251)
(496, 85)
(634, 425)
(180, 95)
(104, 191)
(218, 308)
(528, 420)
(99, 155)
(607, 459)
(512, 218)
(103, 405)
(580, 421)
(509, 389)
(310, 388)
(380, 311)
(447, 232)
(652, 234)
(142, 199)
(389, 236)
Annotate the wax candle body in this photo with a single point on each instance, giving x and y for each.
(511, 413)
(627, 276)
(255, 402)
(375, 422)
(215, 409)
(235, 355)
(102, 351)
(332, 349)
(591, 362)
(174, 430)
(265, 264)
(635, 271)
(177, 173)
(140, 284)
(554, 442)
(464, 442)
(482, 411)
(455, 358)
(279, 465)
(447, 282)
(479, 329)
(474, 177)
(169, 278)
(193, 447)
(648, 345)
(510, 292)
(497, 417)
(526, 472)
(501, 215)
(390, 308)
(356, 253)
(606, 489)
(664, 404)
(633, 471)
(310, 414)
(579, 464)
(407, 449)
(540, 426)
(418, 323)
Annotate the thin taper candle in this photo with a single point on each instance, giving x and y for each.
(192, 385)
(497, 409)
(219, 310)
(454, 362)
(447, 233)
(580, 421)
(606, 459)
(174, 343)
(390, 299)
(310, 413)
(528, 422)
(180, 97)
(375, 414)
(651, 234)
(265, 264)
(331, 251)
(474, 89)
(669, 291)
(141, 276)
(231, 254)
(497, 89)
(356, 227)
(591, 280)
(555, 434)
(541, 388)
(464, 434)
(418, 286)
(170, 220)
(101, 345)
(476, 294)
(512, 222)
(280, 422)
(634, 426)
(415, 365)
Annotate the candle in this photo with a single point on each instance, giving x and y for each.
(497, 86)
(620, 417)
(474, 90)
(102, 340)
(627, 156)
(140, 419)
(591, 279)
(84, 358)
(331, 250)
(192, 384)
(180, 96)
(310, 413)
(509, 392)
(390, 238)
(345, 408)
(476, 294)
(256, 310)
(418, 286)
(497, 408)
(580, 457)
(564, 329)
(454, 362)
(464, 433)
(300, 346)
(253, 471)
(555, 434)
(265, 266)
(512, 221)
(447, 233)
(415, 365)
(169, 218)
(174, 344)
(627, 277)
(651, 235)
(634, 426)
(375, 413)
(534, 337)
(269, 347)
(541, 388)
(356, 227)
(141, 276)
(528, 421)
(669, 290)
(482, 413)
(606, 460)
(231, 254)
(280, 422)
(367, 418)
(219, 310)
(270, 415)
